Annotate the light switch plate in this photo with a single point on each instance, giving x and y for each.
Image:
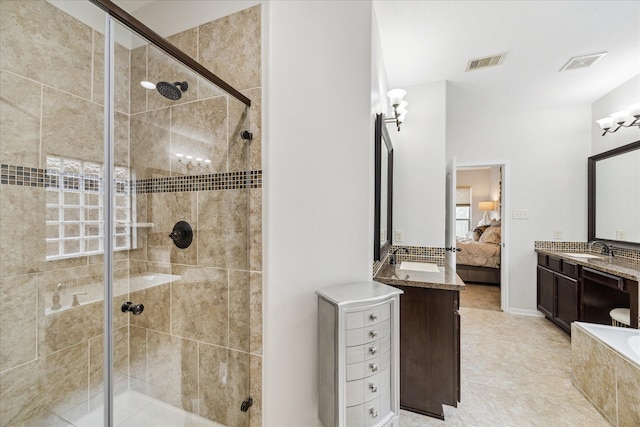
(399, 236)
(520, 214)
(621, 235)
(557, 234)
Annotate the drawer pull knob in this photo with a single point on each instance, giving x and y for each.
(374, 367)
(374, 413)
(373, 350)
(373, 334)
(373, 317)
(373, 387)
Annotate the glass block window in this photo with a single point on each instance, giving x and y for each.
(75, 211)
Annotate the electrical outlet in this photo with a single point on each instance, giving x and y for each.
(557, 234)
(621, 235)
(399, 236)
(520, 214)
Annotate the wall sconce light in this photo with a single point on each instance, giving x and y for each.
(399, 106)
(188, 162)
(620, 118)
(486, 207)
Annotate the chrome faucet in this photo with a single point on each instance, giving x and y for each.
(392, 257)
(606, 250)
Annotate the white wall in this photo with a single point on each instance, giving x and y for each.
(547, 152)
(419, 167)
(616, 100)
(318, 172)
(379, 83)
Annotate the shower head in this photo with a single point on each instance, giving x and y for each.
(172, 91)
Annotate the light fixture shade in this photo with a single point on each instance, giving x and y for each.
(605, 123)
(396, 95)
(403, 106)
(620, 116)
(402, 116)
(147, 85)
(485, 206)
(634, 110)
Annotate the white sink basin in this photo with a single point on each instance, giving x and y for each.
(580, 255)
(419, 266)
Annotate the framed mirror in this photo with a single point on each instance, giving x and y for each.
(383, 189)
(614, 195)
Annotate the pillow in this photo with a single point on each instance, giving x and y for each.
(496, 223)
(477, 232)
(491, 235)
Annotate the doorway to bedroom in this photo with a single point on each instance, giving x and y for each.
(481, 234)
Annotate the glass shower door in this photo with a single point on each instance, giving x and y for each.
(51, 214)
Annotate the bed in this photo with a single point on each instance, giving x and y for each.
(478, 260)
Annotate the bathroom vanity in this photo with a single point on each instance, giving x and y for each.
(572, 287)
(429, 336)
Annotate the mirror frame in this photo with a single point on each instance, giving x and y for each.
(381, 135)
(591, 231)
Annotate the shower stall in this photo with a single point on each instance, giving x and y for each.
(130, 219)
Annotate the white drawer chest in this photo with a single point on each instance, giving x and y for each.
(358, 355)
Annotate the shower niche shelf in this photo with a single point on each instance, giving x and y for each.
(94, 292)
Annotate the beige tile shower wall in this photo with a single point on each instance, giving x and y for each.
(198, 345)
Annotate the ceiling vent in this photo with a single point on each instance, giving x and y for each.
(489, 61)
(582, 61)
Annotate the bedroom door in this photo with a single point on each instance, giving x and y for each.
(450, 214)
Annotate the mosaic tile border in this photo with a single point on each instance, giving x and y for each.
(208, 182)
(35, 177)
(630, 254)
(21, 175)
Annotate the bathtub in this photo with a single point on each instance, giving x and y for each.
(624, 341)
(605, 368)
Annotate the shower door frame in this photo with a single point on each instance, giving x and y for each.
(115, 14)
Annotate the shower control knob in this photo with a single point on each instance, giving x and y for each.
(135, 309)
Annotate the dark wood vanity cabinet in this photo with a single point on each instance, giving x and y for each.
(602, 292)
(567, 292)
(558, 290)
(429, 350)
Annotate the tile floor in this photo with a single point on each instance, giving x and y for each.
(483, 296)
(516, 371)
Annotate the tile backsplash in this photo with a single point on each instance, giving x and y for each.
(627, 253)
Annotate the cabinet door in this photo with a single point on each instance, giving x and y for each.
(545, 292)
(567, 301)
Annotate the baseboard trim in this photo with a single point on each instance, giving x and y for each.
(524, 312)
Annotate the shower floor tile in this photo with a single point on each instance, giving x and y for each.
(136, 409)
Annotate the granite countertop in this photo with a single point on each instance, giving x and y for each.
(618, 266)
(446, 278)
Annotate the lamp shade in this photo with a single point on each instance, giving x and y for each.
(396, 95)
(485, 206)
